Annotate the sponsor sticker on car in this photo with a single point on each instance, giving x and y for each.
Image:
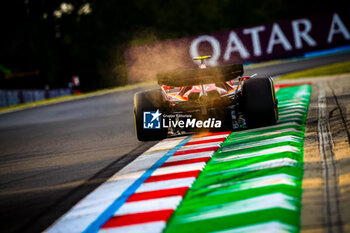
(151, 120)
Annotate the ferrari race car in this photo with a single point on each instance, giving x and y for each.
(205, 99)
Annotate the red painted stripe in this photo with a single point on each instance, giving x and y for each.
(292, 84)
(212, 134)
(172, 176)
(183, 152)
(157, 194)
(187, 161)
(205, 141)
(131, 219)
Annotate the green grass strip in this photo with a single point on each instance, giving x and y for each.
(338, 68)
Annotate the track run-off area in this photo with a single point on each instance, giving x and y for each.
(242, 181)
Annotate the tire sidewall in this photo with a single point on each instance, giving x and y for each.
(151, 101)
(259, 102)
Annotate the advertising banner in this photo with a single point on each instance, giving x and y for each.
(283, 39)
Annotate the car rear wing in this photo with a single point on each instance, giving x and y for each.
(200, 76)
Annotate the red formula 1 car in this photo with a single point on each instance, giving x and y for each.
(209, 99)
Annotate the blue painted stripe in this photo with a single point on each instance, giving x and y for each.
(318, 53)
(328, 51)
(109, 212)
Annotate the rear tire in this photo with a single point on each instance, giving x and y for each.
(259, 102)
(151, 100)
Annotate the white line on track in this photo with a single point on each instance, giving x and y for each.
(291, 104)
(167, 184)
(153, 227)
(270, 141)
(263, 181)
(269, 128)
(295, 114)
(191, 156)
(283, 162)
(269, 201)
(176, 169)
(149, 205)
(269, 227)
(294, 119)
(277, 132)
(202, 146)
(287, 111)
(278, 149)
(303, 108)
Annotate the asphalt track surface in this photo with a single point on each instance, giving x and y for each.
(52, 156)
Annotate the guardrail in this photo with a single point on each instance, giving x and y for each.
(14, 97)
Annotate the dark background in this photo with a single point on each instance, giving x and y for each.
(39, 48)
